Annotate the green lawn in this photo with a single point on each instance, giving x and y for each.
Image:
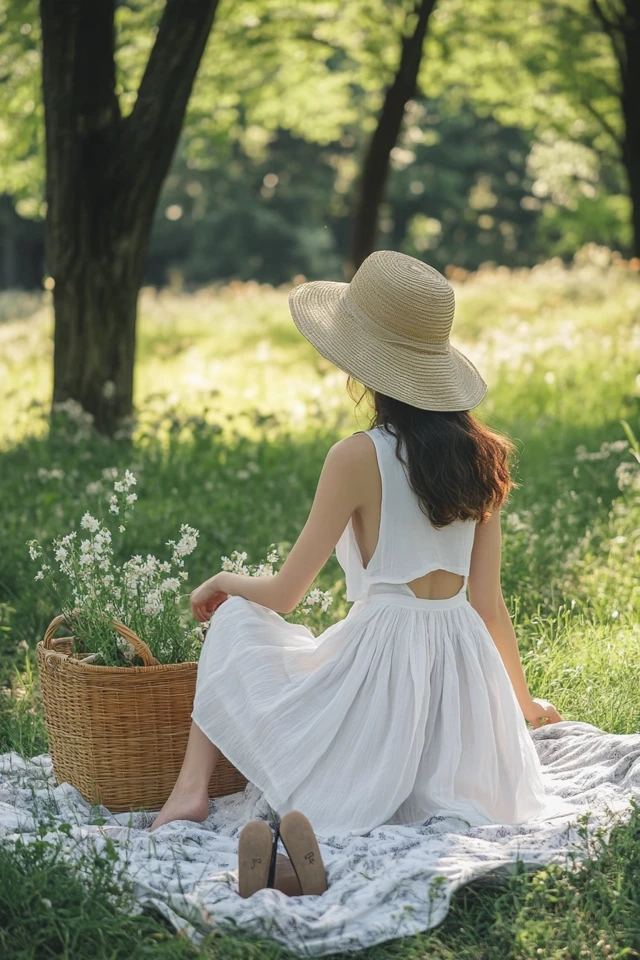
(236, 414)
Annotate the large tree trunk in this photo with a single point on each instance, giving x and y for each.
(630, 75)
(621, 23)
(104, 175)
(375, 169)
(95, 302)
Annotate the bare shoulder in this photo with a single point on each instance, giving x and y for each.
(488, 531)
(356, 452)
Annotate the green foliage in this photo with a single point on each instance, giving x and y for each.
(519, 102)
(548, 68)
(22, 115)
(51, 908)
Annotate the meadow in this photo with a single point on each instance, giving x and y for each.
(235, 415)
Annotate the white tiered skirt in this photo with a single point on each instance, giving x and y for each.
(401, 712)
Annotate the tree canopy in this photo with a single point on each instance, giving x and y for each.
(293, 91)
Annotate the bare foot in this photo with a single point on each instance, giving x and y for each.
(183, 804)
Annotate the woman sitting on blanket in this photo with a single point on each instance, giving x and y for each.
(415, 705)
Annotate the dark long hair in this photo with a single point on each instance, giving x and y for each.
(457, 467)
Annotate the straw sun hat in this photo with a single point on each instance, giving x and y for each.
(389, 328)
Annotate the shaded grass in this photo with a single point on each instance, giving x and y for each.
(51, 909)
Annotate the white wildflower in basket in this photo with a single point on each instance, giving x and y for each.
(91, 588)
(316, 599)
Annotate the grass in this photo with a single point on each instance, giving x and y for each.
(236, 415)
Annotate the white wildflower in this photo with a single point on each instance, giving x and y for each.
(54, 474)
(127, 649)
(131, 498)
(153, 604)
(317, 597)
(628, 475)
(170, 585)
(39, 575)
(235, 563)
(272, 556)
(61, 554)
(89, 523)
(122, 528)
(95, 488)
(121, 486)
(110, 473)
(187, 543)
(34, 549)
(618, 446)
(515, 523)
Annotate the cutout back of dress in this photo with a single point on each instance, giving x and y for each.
(409, 546)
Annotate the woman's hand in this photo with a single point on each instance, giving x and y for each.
(541, 712)
(206, 598)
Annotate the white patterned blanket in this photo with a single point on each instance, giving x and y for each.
(381, 886)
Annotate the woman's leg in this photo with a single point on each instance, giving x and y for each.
(189, 798)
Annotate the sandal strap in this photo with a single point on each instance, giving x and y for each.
(274, 854)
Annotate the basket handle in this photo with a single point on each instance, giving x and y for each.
(140, 647)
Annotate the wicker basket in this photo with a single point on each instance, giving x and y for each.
(119, 734)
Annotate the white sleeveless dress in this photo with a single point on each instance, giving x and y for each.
(400, 712)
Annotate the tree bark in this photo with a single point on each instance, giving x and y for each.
(375, 169)
(622, 26)
(104, 176)
(630, 100)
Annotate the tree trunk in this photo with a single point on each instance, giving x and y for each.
(630, 75)
(375, 168)
(95, 303)
(104, 176)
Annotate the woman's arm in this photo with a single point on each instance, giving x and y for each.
(485, 595)
(338, 494)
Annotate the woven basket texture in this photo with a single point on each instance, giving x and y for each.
(119, 734)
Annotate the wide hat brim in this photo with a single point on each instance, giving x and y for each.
(430, 381)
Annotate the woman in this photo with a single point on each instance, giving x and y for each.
(415, 705)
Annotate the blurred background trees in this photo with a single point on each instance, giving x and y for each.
(516, 145)
(457, 132)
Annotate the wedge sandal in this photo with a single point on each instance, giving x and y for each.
(301, 845)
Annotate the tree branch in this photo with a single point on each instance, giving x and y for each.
(154, 125)
(375, 168)
(614, 30)
(606, 126)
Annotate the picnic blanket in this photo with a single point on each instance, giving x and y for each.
(393, 882)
